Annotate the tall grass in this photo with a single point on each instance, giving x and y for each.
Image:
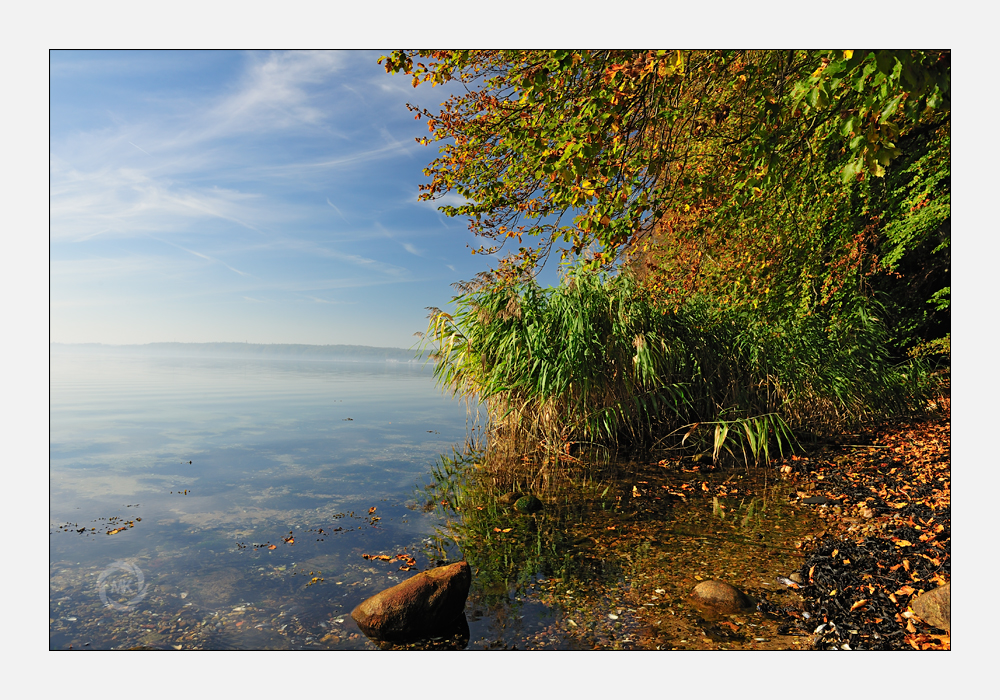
(595, 360)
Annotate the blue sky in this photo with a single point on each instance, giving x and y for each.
(267, 197)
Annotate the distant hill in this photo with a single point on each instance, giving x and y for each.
(353, 353)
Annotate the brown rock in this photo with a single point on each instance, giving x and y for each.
(422, 606)
(934, 607)
(721, 596)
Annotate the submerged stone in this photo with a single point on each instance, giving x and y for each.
(425, 605)
(528, 504)
(720, 596)
(508, 499)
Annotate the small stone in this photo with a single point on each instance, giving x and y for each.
(934, 607)
(796, 576)
(721, 596)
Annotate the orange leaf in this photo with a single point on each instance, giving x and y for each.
(860, 604)
(272, 546)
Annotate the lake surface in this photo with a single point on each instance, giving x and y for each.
(206, 503)
(189, 463)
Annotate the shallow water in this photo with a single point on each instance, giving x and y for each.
(190, 462)
(211, 504)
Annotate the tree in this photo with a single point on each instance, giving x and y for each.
(537, 125)
(768, 211)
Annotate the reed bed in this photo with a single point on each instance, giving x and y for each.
(596, 363)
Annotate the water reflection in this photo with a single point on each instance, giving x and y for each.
(610, 560)
(247, 503)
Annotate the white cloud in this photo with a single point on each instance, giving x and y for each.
(209, 258)
(337, 209)
(126, 201)
(273, 93)
(322, 301)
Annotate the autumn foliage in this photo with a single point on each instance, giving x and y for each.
(800, 197)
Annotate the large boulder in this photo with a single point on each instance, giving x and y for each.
(934, 607)
(720, 596)
(426, 605)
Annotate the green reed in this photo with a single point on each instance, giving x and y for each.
(596, 361)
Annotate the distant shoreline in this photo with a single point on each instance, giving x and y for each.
(277, 351)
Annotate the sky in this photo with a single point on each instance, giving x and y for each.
(259, 196)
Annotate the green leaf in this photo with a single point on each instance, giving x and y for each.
(851, 171)
(890, 108)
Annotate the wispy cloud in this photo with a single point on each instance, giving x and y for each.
(126, 201)
(207, 257)
(337, 209)
(184, 177)
(272, 95)
(316, 250)
(323, 301)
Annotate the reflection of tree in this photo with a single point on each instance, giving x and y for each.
(508, 549)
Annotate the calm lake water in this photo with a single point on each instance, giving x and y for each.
(205, 503)
(189, 463)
